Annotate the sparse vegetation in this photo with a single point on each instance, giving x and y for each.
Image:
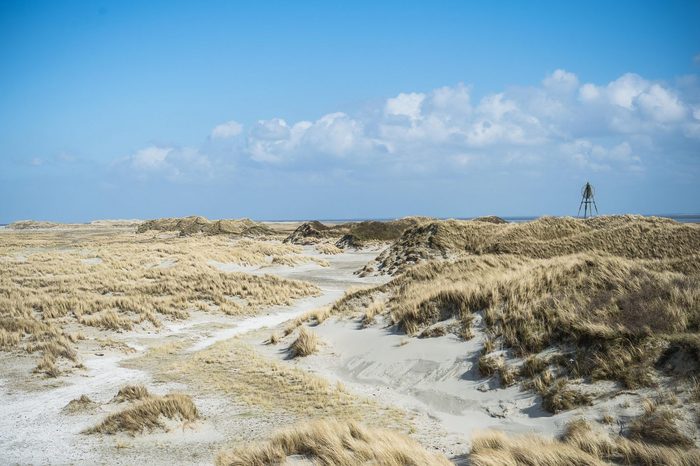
(332, 442)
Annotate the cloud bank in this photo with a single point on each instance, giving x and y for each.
(562, 122)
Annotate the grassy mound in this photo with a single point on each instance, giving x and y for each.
(193, 225)
(334, 442)
(620, 315)
(625, 236)
(148, 414)
(360, 232)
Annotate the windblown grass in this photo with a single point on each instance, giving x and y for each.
(148, 414)
(328, 248)
(580, 445)
(332, 442)
(46, 286)
(131, 393)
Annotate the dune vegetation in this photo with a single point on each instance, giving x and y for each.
(568, 300)
(56, 285)
(332, 442)
(581, 444)
(186, 226)
(628, 236)
(357, 233)
(146, 413)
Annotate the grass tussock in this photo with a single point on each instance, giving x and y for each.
(580, 445)
(79, 405)
(148, 414)
(657, 425)
(328, 248)
(333, 442)
(305, 344)
(131, 393)
(46, 286)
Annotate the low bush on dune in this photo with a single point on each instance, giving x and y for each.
(147, 414)
(333, 442)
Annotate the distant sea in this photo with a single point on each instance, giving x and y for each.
(683, 218)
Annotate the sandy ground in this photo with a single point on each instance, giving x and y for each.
(434, 380)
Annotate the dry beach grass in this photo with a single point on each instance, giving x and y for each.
(331, 442)
(54, 283)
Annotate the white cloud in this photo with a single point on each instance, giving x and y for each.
(588, 92)
(150, 158)
(617, 125)
(226, 130)
(624, 90)
(661, 105)
(405, 105)
(561, 81)
(174, 163)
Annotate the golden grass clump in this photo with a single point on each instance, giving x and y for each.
(305, 344)
(81, 404)
(333, 442)
(328, 248)
(148, 414)
(46, 286)
(131, 393)
(657, 425)
(580, 445)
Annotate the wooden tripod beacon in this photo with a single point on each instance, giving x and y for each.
(587, 201)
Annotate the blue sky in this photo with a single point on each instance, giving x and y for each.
(277, 110)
